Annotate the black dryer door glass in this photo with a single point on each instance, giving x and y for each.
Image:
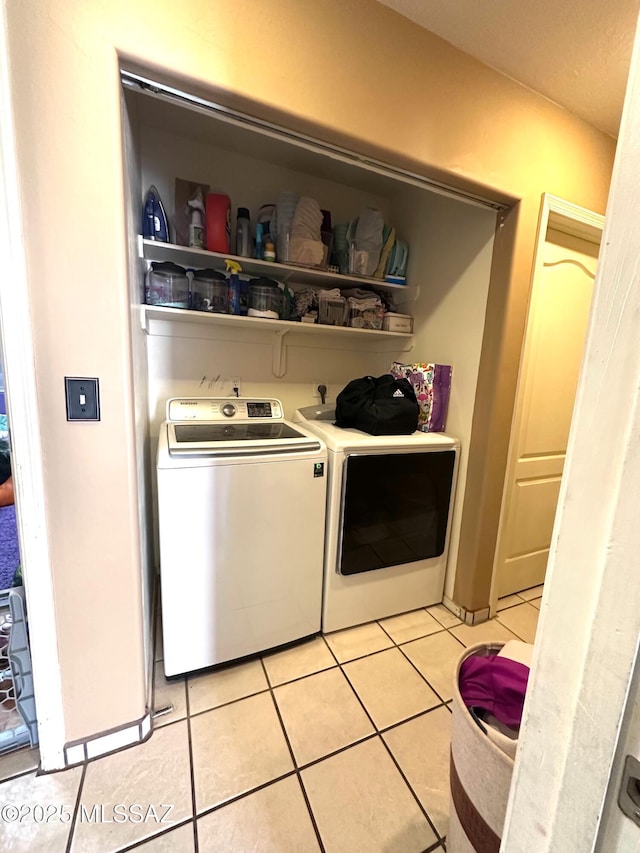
(395, 510)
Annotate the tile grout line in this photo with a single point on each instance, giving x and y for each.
(441, 627)
(223, 705)
(294, 760)
(244, 794)
(384, 729)
(443, 702)
(439, 845)
(361, 657)
(509, 607)
(457, 639)
(413, 793)
(453, 616)
(353, 690)
(407, 658)
(72, 827)
(410, 719)
(194, 811)
(136, 845)
(22, 773)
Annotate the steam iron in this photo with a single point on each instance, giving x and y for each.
(154, 219)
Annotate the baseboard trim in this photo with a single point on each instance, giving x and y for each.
(452, 606)
(113, 740)
(474, 617)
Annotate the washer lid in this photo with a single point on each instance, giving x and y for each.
(237, 438)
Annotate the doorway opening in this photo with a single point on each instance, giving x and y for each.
(559, 309)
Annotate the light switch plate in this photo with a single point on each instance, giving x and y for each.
(83, 398)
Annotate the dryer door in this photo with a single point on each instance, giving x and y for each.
(394, 510)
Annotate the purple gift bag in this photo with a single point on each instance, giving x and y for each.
(432, 384)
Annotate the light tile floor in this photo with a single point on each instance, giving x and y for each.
(337, 744)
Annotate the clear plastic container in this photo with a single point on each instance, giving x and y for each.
(333, 309)
(167, 286)
(265, 299)
(210, 292)
(365, 313)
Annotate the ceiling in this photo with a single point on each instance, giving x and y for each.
(575, 52)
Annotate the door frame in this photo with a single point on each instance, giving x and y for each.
(581, 688)
(26, 449)
(559, 215)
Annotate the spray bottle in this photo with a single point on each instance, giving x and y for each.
(233, 276)
(196, 226)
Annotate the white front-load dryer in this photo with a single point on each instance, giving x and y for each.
(389, 507)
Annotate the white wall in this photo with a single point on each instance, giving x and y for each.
(450, 265)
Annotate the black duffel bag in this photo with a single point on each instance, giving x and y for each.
(379, 406)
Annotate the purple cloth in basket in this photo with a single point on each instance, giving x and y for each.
(495, 684)
(9, 553)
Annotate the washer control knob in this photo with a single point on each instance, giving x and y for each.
(228, 410)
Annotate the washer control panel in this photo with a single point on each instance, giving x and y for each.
(223, 409)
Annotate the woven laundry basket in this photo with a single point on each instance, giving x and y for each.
(481, 769)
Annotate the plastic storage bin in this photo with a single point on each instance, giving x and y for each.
(167, 285)
(210, 292)
(265, 299)
(365, 313)
(480, 770)
(332, 309)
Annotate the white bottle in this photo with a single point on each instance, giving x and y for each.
(196, 229)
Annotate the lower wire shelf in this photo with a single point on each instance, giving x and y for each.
(18, 722)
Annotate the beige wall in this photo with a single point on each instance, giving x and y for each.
(352, 70)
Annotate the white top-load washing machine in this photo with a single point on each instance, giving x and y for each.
(241, 504)
(389, 506)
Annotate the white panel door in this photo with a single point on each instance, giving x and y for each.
(554, 345)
